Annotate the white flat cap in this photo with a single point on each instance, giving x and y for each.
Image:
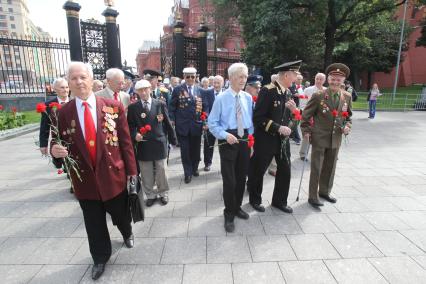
(166, 81)
(189, 70)
(142, 84)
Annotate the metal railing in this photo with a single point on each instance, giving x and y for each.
(401, 102)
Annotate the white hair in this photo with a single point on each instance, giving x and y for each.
(320, 75)
(299, 76)
(218, 77)
(211, 78)
(58, 81)
(205, 79)
(83, 65)
(274, 77)
(113, 73)
(237, 68)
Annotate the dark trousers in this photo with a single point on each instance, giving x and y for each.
(94, 213)
(190, 147)
(234, 160)
(209, 141)
(258, 166)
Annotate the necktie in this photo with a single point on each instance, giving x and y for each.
(336, 100)
(239, 114)
(190, 90)
(90, 133)
(116, 96)
(145, 105)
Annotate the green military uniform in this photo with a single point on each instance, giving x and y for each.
(326, 134)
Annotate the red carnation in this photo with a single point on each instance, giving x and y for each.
(55, 105)
(1, 107)
(142, 130)
(297, 117)
(254, 98)
(250, 143)
(302, 97)
(13, 109)
(296, 112)
(334, 113)
(40, 107)
(60, 171)
(148, 127)
(203, 117)
(250, 137)
(344, 114)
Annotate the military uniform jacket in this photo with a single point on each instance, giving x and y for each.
(326, 131)
(185, 110)
(155, 145)
(269, 114)
(115, 159)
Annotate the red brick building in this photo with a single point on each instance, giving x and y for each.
(193, 13)
(412, 68)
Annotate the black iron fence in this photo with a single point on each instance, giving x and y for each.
(29, 65)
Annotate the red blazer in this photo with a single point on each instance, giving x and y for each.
(113, 162)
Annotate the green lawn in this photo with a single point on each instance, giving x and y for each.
(31, 116)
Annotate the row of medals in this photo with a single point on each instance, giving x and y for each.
(110, 124)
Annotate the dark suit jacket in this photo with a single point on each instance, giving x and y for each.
(45, 124)
(208, 96)
(183, 111)
(155, 146)
(113, 163)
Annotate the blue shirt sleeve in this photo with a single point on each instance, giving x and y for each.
(214, 121)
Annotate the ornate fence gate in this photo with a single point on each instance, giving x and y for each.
(94, 47)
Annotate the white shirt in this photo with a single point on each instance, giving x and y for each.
(309, 91)
(149, 103)
(60, 101)
(91, 100)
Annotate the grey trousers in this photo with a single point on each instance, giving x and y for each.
(154, 173)
(303, 147)
(323, 167)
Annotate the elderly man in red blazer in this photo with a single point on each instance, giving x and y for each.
(97, 135)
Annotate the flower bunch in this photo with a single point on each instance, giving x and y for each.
(203, 117)
(145, 129)
(1, 107)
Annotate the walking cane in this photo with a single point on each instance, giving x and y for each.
(303, 169)
(168, 153)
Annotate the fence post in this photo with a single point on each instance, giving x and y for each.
(74, 35)
(113, 46)
(179, 50)
(405, 102)
(202, 52)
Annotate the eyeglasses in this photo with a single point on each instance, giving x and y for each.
(190, 76)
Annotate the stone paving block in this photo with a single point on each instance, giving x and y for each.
(280, 224)
(60, 274)
(184, 251)
(354, 271)
(406, 203)
(249, 209)
(421, 260)
(303, 207)
(158, 274)
(346, 205)
(9, 195)
(399, 269)
(141, 229)
(207, 273)
(18, 273)
(6, 207)
(215, 208)
(318, 223)
(378, 204)
(190, 209)
(414, 219)
(61, 209)
(312, 246)
(82, 255)
(270, 248)
(17, 250)
(113, 274)
(145, 251)
(169, 227)
(200, 195)
(303, 272)
(180, 195)
(252, 226)
(350, 222)
(58, 227)
(353, 245)
(418, 237)
(206, 226)
(257, 273)
(55, 251)
(347, 192)
(227, 250)
(385, 221)
(28, 209)
(158, 210)
(392, 243)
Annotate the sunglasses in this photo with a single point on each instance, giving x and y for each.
(190, 76)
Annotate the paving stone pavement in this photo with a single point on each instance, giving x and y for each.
(376, 232)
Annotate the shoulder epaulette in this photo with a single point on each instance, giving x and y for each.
(270, 86)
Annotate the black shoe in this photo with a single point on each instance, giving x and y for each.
(164, 200)
(242, 215)
(284, 208)
(328, 198)
(207, 168)
(98, 270)
(315, 203)
(71, 190)
(229, 224)
(196, 173)
(304, 159)
(188, 179)
(150, 202)
(258, 207)
(130, 241)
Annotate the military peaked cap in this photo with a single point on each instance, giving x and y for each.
(339, 69)
(289, 66)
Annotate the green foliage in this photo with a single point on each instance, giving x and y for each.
(9, 119)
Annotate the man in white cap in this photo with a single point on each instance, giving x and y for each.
(185, 109)
(151, 145)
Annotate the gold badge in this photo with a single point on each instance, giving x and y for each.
(143, 115)
(73, 125)
(115, 138)
(91, 143)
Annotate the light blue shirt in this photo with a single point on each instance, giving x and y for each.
(223, 114)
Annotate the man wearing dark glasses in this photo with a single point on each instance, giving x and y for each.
(186, 107)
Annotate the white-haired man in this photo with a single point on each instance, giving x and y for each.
(307, 94)
(99, 141)
(113, 90)
(230, 121)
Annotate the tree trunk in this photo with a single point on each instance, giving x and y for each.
(329, 34)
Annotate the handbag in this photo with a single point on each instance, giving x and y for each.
(136, 199)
